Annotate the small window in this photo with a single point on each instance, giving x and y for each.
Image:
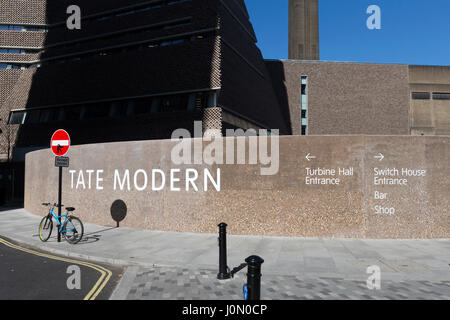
(141, 106)
(32, 117)
(303, 114)
(72, 113)
(191, 102)
(17, 117)
(156, 105)
(117, 110)
(303, 130)
(47, 115)
(420, 96)
(441, 96)
(96, 111)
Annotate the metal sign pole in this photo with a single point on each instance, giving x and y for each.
(59, 201)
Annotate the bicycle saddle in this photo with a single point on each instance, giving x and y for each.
(70, 209)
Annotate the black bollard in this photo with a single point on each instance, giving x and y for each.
(254, 277)
(223, 268)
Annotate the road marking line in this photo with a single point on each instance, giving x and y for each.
(96, 289)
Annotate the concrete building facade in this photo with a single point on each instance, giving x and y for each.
(430, 100)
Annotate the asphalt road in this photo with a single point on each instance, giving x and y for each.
(30, 274)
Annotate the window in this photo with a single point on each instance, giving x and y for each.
(72, 113)
(304, 105)
(17, 117)
(32, 116)
(47, 115)
(191, 102)
(12, 66)
(11, 51)
(61, 114)
(96, 111)
(303, 114)
(141, 106)
(212, 100)
(156, 105)
(420, 96)
(11, 27)
(303, 88)
(174, 103)
(117, 110)
(441, 96)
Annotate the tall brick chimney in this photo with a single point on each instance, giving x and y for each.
(304, 29)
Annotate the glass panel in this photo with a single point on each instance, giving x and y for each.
(32, 117)
(17, 117)
(73, 113)
(142, 106)
(191, 101)
(304, 102)
(420, 95)
(156, 105)
(96, 111)
(441, 96)
(47, 115)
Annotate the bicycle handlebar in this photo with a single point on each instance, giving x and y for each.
(48, 204)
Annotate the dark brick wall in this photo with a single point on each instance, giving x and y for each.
(149, 71)
(203, 17)
(226, 59)
(247, 88)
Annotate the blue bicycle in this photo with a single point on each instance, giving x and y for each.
(72, 228)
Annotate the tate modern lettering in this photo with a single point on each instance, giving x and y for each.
(141, 180)
(247, 148)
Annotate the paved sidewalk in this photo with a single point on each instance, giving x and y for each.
(184, 266)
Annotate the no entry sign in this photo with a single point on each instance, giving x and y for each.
(60, 143)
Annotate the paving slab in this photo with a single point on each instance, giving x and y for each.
(344, 259)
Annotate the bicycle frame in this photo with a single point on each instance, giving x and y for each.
(60, 222)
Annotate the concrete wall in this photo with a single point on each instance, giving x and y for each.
(430, 116)
(344, 98)
(279, 205)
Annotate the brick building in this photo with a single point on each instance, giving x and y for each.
(136, 70)
(139, 69)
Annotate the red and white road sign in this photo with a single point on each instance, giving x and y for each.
(60, 143)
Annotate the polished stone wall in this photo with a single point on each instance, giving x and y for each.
(289, 203)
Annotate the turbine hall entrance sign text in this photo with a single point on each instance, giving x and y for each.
(60, 143)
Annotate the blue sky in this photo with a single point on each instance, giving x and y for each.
(413, 31)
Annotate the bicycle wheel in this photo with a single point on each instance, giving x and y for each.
(73, 230)
(45, 228)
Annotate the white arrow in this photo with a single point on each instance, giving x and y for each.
(381, 157)
(309, 157)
